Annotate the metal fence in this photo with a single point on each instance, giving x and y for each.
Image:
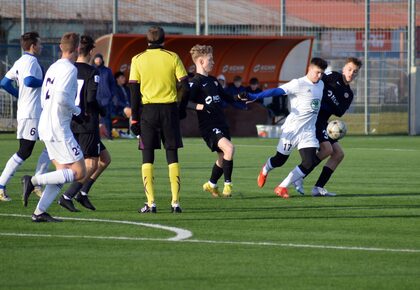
(339, 27)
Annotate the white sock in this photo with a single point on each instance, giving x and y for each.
(47, 198)
(55, 177)
(43, 163)
(294, 175)
(9, 170)
(267, 168)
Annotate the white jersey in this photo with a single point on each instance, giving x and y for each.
(29, 105)
(59, 91)
(305, 102)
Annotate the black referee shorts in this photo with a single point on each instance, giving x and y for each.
(213, 135)
(89, 143)
(160, 123)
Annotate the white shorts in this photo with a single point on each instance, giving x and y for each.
(290, 140)
(27, 129)
(64, 152)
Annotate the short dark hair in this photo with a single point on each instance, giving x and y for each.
(27, 39)
(118, 74)
(70, 42)
(237, 78)
(354, 60)
(155, 35)
(86, 45)
(319, 62)
(254, 81)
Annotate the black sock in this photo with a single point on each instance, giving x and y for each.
(324, 177)
(73, 189)
(87, 185)
(216, 173)
(227, 170)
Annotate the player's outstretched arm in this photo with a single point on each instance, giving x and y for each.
(266, 94)
(6, 84)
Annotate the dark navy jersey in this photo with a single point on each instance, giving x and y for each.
(207, 90)
(87, 85)
(337, 97)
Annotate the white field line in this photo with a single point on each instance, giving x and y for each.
(181, 234)
(187, 240)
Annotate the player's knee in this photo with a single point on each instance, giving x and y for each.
(105, 160)
(338, 156)
(23, 153)
(25, 149)
(91, 168)
(80, 173)
(327, 151)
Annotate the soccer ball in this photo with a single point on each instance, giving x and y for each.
(336, 129)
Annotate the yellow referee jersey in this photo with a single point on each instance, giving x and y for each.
(157, 71)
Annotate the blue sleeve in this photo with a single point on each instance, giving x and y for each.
(267, 93)
(32, 82)
(6, 84)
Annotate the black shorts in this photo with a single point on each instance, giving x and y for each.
(322, 135)
(89, 143)
(160, 123)
(212, 137)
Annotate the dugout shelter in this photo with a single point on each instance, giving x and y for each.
(272, 59)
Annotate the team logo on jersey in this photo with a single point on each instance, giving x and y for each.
(315, 105)
(191, 84)
(346, 95)
(96, 79)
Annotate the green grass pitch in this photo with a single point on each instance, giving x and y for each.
(368, 237)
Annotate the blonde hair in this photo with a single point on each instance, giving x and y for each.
(70, 42)
(200, 50)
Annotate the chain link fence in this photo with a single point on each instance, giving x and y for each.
(338, 27)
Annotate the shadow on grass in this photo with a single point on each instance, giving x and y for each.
(379, 194)
(293, 195)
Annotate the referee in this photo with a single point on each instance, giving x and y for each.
(153, 84)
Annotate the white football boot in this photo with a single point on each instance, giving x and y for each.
(320, 191)
(298, 184)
